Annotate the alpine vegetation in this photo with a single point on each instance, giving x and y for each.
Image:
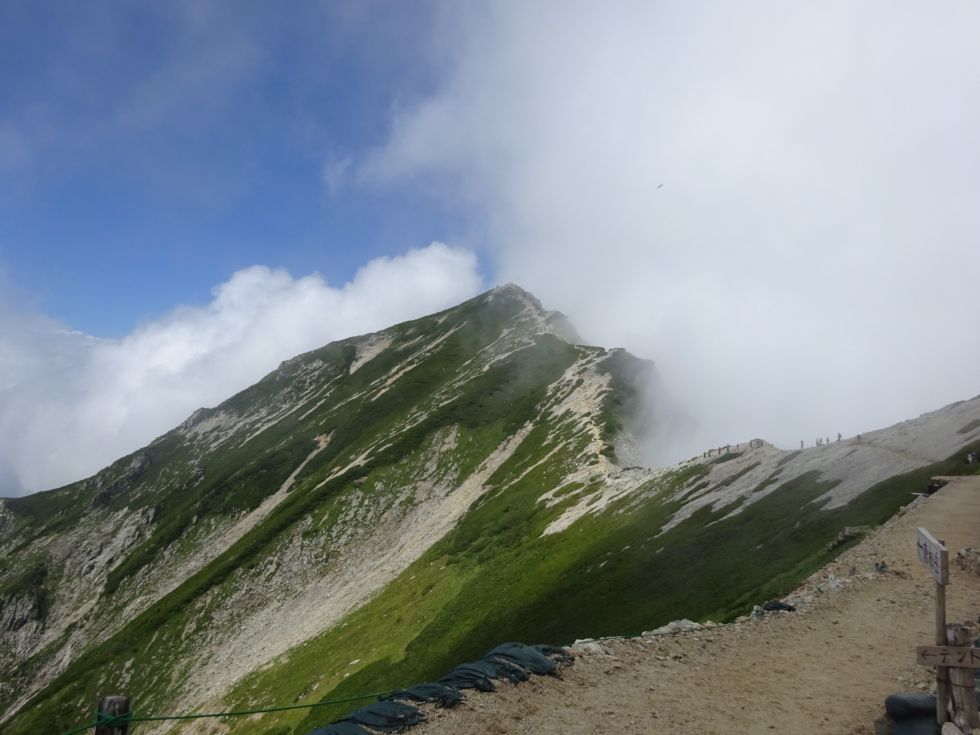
(376, 511)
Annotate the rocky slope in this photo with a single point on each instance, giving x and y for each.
(377, 510)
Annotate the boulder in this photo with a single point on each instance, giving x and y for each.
(675, 626)
(587, 646)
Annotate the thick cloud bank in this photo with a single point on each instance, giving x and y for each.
(775, 201)
(71, 404)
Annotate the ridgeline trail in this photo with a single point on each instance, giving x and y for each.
(824, 669)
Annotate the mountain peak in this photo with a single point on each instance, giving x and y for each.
(546, 321)
(516, 293)
(511, 288)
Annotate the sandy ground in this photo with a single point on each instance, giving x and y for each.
(823, 669)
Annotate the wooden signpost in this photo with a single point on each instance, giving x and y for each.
(949, 656)
(954, 663)
(961, 687)
(933, 554)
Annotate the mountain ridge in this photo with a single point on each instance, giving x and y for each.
(213, 428)
(402, 475)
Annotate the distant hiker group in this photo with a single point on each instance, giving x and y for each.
(820, 441)
(727, 449)
(825, 441)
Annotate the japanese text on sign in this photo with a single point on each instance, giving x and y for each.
(952, 656)
(934, 555)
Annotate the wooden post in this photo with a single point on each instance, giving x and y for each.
(961, 684)
(942, 672)
(933, 554)
(113, 706)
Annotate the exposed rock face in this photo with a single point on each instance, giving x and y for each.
(16, 612)
(131, 474)
(22, 614)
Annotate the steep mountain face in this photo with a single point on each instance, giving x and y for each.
(377, 510)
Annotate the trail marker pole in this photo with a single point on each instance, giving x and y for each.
(942, 672)
(113, 706)
(961, 678)
(933, 554)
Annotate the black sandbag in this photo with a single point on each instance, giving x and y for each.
(340, 728)
(432, 692)
(525, 657)
(916, 726)
(496, 670)
(386, 716)
(507, 669)
(906, 706)
(773, 605)
(464, 678)
(555, 653)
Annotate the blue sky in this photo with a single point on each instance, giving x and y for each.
(776, 202)
(152, 149)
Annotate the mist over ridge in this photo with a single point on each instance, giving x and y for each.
(775, 204)
(771, 202)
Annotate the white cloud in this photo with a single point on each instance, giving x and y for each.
(810, 263)
(71, 404)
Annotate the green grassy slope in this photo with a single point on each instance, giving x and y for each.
(494, 578)
(388, 429)
(470, 373)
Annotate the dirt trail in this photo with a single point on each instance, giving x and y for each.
(824, 669)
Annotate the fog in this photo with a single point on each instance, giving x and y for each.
(777, 203)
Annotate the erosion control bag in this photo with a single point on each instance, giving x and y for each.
(432, 692)
(526, 657)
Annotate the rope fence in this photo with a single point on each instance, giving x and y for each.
(129, 718)
(109, 720)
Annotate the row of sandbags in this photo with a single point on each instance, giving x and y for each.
(513, 662)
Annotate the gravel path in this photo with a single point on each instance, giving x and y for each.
(824, 669)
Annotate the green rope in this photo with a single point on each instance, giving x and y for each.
(120, 719)
(83, 728)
